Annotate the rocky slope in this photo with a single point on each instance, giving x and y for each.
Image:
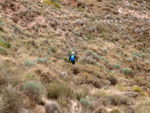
(111, 39)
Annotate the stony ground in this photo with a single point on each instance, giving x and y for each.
(111, 39)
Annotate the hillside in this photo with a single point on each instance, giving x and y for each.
(111, 39)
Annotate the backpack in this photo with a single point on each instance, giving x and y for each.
(72, 57)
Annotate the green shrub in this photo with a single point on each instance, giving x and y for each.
(12, 100)
(89, 53)
(87, 103)
(3, 51)
(56, 90)
(88, 60)
(80, 95)
(117, 66)
(33, 90)
(105, 50)
(56, 5)
(123, 45)
(102, 58)
(134, 57)
(84, 102)
(127, 71)
(129, 59)
(29, 63)
(31, 77)
(2, 24)
(54, 49)
(4, 43)
(41, 60)
(143, 56)
(90, 36)
(52, 3)
(137, 89)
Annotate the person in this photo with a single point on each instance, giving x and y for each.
(73, 58)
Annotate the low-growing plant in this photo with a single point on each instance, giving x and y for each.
(12, 100)
(29, 63)
(33, 90)
(3, 51)
(41, 60)
(102, 28)
(105, 50)
(4, 43)
(80, 95)
(137, 89)
(56, 90)
(117, 66)
(143, 55)
(52, 3)
(90, 103)
(89, 53)
(127, 71)
(117, 99)
(54, 49)
(134, 57)
(129, 60)
(88, 60)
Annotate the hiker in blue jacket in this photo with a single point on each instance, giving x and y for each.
(72, 58)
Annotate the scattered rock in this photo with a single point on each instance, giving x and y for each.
(52, 108)
(131, 94)
(92, 29)
(63, 74)
(107, 82)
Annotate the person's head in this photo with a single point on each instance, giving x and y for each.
(73, 53)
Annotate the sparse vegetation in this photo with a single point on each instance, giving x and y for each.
(37, 38)
(29, 63)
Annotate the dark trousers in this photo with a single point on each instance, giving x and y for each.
(73, 62)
